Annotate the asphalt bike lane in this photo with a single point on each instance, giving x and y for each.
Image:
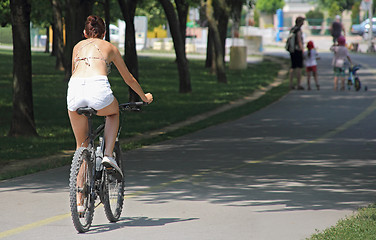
(296, 166)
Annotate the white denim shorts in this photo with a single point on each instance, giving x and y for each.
(92, 92)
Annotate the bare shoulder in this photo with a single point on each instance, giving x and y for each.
(111, 49)
(78, 44)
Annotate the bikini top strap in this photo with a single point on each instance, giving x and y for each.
(103, 58)
(86, 59)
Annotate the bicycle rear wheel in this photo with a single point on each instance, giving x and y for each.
(357, 84)
(113, 190)
(80, 190)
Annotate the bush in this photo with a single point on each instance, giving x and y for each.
(315, 18)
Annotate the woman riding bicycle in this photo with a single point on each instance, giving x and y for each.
(89, 86)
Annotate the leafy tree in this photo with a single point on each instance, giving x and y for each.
(177, 36)
(337, 6)
(109, 9)
(215, 44)
(355, 11)
(23, 123)
(128, 9)
(315, 18)
(218, 17)
(256, 18)
(41, 16)
(4, 13)
(58, 43)
(335, 9)
(153, 10)
(76, 13)
(269, 6)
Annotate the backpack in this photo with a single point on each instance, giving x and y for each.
(290, 42)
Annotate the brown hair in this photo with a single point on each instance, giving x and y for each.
(94, 27)
(299, 20)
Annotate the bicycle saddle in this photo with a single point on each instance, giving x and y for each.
(87, 111)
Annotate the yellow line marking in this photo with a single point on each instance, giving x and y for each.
(33, 225)
(339, 129)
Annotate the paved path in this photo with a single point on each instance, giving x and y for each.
(296, 166)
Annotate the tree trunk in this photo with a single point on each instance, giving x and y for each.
(182, 8)
(209, 50)
(222, 29)
(23, 114)
(47, 47)
(128, 8)
(236, 16)
(53, 40)
(218, 46)
(75, 18)
(107, 19)
(58, 42)
(183, 69)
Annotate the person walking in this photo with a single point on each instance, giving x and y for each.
(297, 55)
(310, 57)
(340, 55)
(336, 29)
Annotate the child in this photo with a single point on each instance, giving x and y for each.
(339, 58)
(311, 65)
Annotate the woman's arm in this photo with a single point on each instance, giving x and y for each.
(128, 77)
(300, 43)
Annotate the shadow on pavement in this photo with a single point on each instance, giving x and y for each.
(135, 222)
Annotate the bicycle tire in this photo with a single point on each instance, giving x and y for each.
(113, 190)
(357, 84)
(82, 162)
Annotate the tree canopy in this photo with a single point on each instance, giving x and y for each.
(4, 13)
(341, 5)
(269, 6)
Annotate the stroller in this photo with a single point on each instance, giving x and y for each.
(353, 79)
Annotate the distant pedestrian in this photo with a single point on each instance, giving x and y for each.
(340, 55)
(310, 57)
(336, 29)
(297, 55)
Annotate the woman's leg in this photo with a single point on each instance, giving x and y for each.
(112, 125)
(79, 127)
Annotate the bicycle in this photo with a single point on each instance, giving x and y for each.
(90, 179)
(353, 79)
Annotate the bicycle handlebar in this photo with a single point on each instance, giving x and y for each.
(131, 105)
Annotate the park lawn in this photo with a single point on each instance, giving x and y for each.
(156, 75)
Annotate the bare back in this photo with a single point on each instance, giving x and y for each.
(92, 57)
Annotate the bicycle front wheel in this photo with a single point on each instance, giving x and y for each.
(113, 190)
(80, 190)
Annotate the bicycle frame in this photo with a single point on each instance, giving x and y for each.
(89, 113)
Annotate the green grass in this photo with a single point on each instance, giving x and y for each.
(156, 75)
(360, 226)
